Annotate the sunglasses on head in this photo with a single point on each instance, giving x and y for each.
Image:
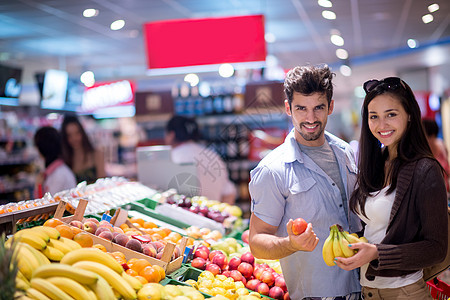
(391, 83)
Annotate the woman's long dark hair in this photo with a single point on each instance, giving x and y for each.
(413, 145)
(67, 149)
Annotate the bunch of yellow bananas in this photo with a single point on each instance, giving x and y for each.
(86, 273)
(336, 245)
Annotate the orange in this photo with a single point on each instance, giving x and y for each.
(156, 237)
(65, 231)
(162, 273)
(124, 226)
(84, 239)
(53, 222)
(151, 274)
(149, 224)
(99, 246)
(141, 279)
(132, 261)
(132, 272)
(119, 254)
(137, 220)
(139, 265)
(120, 260)
(138, 225)
(76, 230)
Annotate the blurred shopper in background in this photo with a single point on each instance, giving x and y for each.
(87, 163)
(57, 175)
(311, 175)
(183, 134)
(401, 196)
(437, 146)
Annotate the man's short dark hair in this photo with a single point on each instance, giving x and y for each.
(185, 129)
(308, 80)
(48, 142)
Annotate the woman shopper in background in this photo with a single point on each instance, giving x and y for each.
(86, 162)
(401, 196)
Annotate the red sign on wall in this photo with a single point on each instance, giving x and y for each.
(108, 94)
(193, 42)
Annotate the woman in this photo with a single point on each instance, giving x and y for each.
(400, 197)
(57, 175)
(87, 163)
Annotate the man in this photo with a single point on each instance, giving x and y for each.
(311, 175)
(182, 134)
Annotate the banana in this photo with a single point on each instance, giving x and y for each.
(71, 243)
(53, 254)
(41, 258)
(33, 232)
(363, 239)
(133, 282)
(71, 287)
(336, 245)
(49, 289)
(92, 294)
(92, 254)
(34, 241)
(353, 234)
(26, 261)
(21, 276)
(102, 289)
(327, 250)
(112, 277)
(61, 246)
(37, 295)
(351, 238)
(344, 246)
(60, 270)
(22, 284)
(50, 231)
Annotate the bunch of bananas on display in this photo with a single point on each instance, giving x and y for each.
(86, 273)
(336, 245)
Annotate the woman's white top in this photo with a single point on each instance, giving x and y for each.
(378, 210)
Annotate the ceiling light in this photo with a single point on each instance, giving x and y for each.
(345, 70)
(329, 15)
(412, 43)
(270, 37)
(192, 79)
(90, 12)
(337, 40)
(341, 53)
(118, 24)
(433, 7)
(325, 3)
(87, 78)
(226, 70)
(427, 18)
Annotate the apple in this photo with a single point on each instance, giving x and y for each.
(221, 260)
(244, 236)
(236, 275)
(263, 289)
(201, 253)
(195, 209)
(214, 253)
(234, 263)
(213, 268)
(280, 282)
(299, 226)
(248, 258)
(90, 227)
(246, 269)
(276, 292)
(258, 271)
(267, 277)
(77, 224)
(226, 273)
(252, 284)
(203, 209)
(199, 263)
(286, 296)
(203, 247)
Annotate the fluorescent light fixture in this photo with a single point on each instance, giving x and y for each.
(412, 43)
(345, 70)
(337, 40)
(427, 18)
(203, 68)
(192, 79)
(329, 15)
(87, 78)
(270, 37)
(341, 53)
(325, 3)
(226, 70)
(117, 25)
(90, 12)
(433, 7)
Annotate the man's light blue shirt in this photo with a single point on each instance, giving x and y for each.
(287, 184)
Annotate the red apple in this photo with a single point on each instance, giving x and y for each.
(199, 263)
(226, 273)
(286, 296)
(90, 227)
(248, 258)
(263, 289)
(244, 236)
(299, 226)
(279, 281)
(236, 275)
(234, 263)
(221, 260)
(213, 268)
(267, 277)
(252, 284)
(77, 224)
(204, 248)
(276, 292)
(213, 253)
(246, 269)
(201, 253)
(258, 271)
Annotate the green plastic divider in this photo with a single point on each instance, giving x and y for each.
(148, 212)
(149, 203)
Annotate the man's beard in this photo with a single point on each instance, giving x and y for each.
(311, 136)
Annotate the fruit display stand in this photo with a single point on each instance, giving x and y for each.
(165, 262)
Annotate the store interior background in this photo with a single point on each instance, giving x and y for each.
(36, 36)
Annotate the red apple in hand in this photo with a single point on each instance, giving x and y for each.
(299, 226)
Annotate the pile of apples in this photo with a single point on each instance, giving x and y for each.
(260, 278)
